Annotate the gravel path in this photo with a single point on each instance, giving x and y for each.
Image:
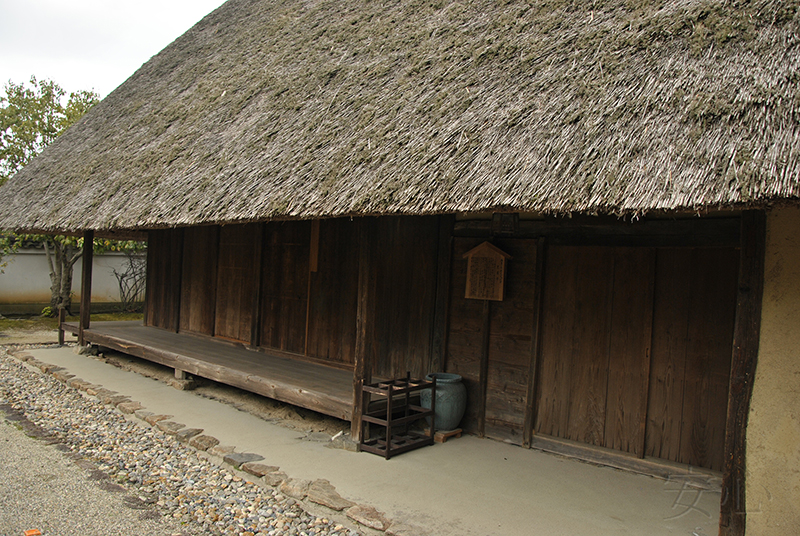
(42, 489)
(146, 482)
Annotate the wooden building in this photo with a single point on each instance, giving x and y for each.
(570, 207)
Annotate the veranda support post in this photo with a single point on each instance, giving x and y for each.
(86, 285)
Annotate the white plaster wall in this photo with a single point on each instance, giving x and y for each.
(26, 278)
(773, 431)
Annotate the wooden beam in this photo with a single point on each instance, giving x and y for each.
(484, 370)
(365, 320)
(440, 313)
(86, 285)
(530, 401)
(611, 231)
(746, 334)
(644, 401)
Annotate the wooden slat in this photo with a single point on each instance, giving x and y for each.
(176, 271)
(629, 350)
(733, 515)
(670, 336)
(536, 328)
(441, 312)
(255, 306)
(560, 294)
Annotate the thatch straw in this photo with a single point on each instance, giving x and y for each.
(304, 109)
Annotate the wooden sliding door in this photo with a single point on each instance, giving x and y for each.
(236, 282)
(636, 349)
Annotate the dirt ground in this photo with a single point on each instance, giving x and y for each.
(264, 408)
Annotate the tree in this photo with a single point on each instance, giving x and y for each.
(31, 117)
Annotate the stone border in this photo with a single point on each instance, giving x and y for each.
(320, 492)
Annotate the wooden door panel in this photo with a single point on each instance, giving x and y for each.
(558, 324)
(672, 292)
(710, 338)
(334, 293)
(406, 271)
(586, 388)
(199, 280)
(595, 345)
(164, 251)
(695, 301)
(629, 349)
(236, 282)
(284, 281)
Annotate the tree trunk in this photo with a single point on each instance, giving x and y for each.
(61, 259)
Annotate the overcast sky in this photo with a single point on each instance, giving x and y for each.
(89, 44)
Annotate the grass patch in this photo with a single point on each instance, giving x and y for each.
(38, 323)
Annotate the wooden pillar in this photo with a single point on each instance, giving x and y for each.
(746, 334)
(365, 319)
(86, 285)
(484, 366)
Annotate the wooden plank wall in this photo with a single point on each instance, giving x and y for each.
(407, 253)
(636, 349)
(510, 335)
(695, 304)
(284, 285)
(199, 288)
(463, 355)
(333, 288)
(164, 250)
(236, 279)
(303, 307)
(510, 325)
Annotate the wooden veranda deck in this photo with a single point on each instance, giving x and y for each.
(309, 385)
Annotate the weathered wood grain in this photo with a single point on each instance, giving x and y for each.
(310, 385)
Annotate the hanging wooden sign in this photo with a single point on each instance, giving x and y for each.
(486, 272)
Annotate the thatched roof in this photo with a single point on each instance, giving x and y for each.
(304, 109)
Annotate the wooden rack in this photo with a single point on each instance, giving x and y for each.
(397, 394)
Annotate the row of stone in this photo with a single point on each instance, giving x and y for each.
(319, 492)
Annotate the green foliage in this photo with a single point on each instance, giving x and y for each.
(31, 117)
(48, 312)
